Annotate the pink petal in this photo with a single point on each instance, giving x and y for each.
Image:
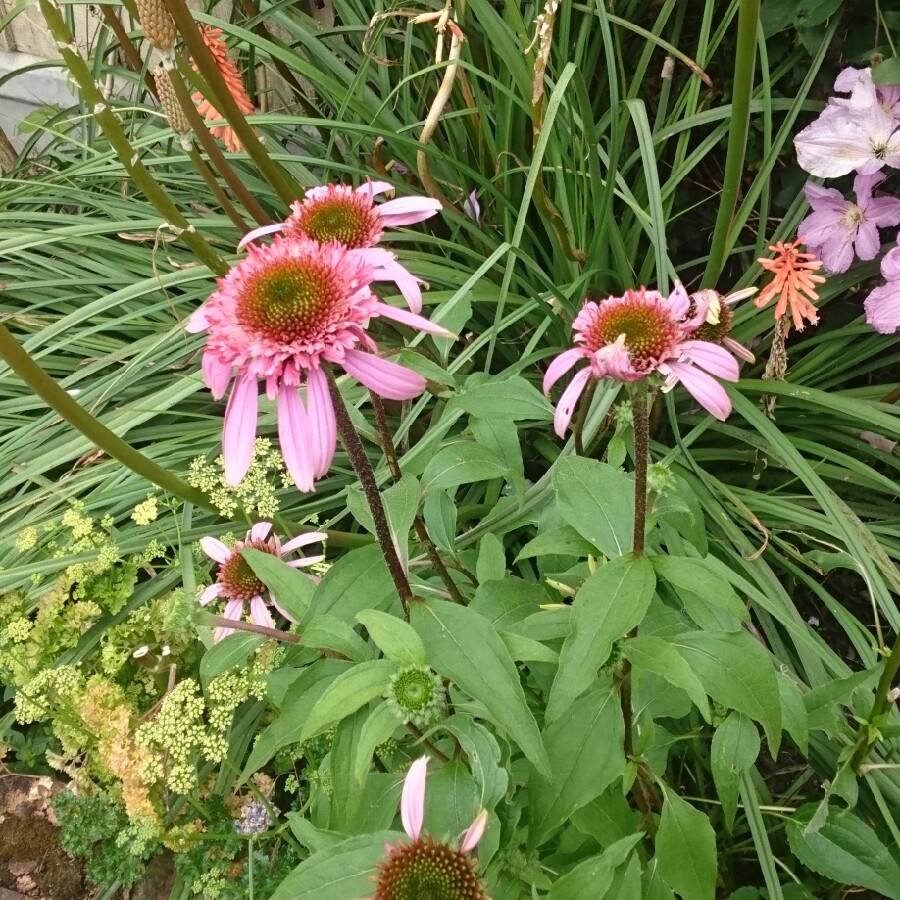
(293, 428)
(868, 243)
(678, 301)
(569, 400)
(210, 593)
(883, 307)
(258, 233)
(890, 265)
(702, 387)
(739, 350)
(474, 833)
(233, 610)
(259, 613)
(214, 549)
(408, 210)
(302, 540)
(828, 199)
(260, 531)
(560, 366)
(711, 357)
(883, 211)
(375, 187)
(472, 208)
(407, 284)
(320, 413)
(412, 798)
(216, 374)
(411, 319)
(388, 379)
(239, 433)
(197, 321)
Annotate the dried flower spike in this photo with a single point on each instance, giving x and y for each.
(794, 283)
(172, 108)
(159, 29)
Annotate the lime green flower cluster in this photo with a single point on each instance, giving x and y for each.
(255, 495)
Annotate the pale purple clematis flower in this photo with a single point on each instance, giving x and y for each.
(883, 304)
(237, 583)
(836, 227)
(864, 92)
(425, 866)
(864, 138)
(278, 315)
(628, 338)
(337, 212)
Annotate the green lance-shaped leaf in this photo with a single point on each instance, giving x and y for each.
(735, 746)
(463, 645)
(686, 849)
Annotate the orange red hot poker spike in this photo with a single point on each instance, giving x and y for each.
(794, 282)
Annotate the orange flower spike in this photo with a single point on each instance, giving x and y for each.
(794, 283)
(216, 45)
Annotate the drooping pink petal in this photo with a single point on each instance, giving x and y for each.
(678, 301)
(407, 210)
(474, 832)
(373, 188)
(407, 284)
(260, 531)
(214, 549)
(569, 401)
(210, 593)
(234, 609)
(239, 432)
(216, 374)
(560, 365)
(303, 540)
(412, 798)
(714, 359)
(294, 439)
(414, 321)
(702, 387)
(198, 320)
(258, 233)
(738, 350)
(259, 613)
(388, 379)
(323, 438)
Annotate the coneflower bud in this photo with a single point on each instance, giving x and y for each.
(159, 28)
(171, 107)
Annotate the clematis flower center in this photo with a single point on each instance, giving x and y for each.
(852, 217)
(427, 870)
(650, 333)
(344, 216)
(239, 580)
(291, 300)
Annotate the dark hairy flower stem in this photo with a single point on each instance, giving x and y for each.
(879, 705)
(363, 468)
(390, 453)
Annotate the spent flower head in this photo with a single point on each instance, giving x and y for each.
(425, 867)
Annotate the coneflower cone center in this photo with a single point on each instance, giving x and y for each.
(350, 220)
(293, 300)
(650, 335)
(239, 580)
(715, 333)
(427, 870)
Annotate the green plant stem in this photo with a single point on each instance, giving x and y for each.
(363, 468)
(251, 628)
(879, 705)
(118, 140)
(738, 127)
(209, 179)
(95, 431)
(134, 58)
(216, 157)
(220, 96)
(390, 453)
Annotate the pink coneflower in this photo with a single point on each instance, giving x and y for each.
(628, 338)
(237, 583)
(794, 283)
(278, 315)
(426, 867)
(717, 317)
(337, 212)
